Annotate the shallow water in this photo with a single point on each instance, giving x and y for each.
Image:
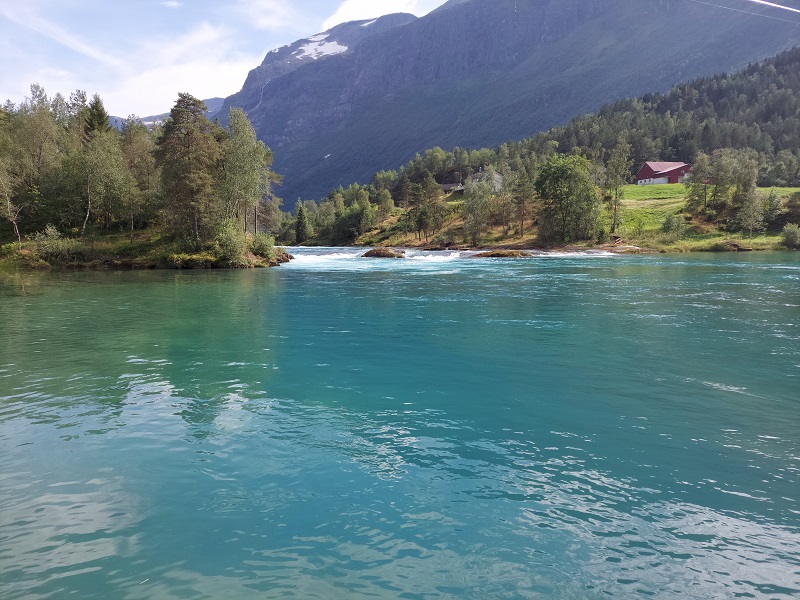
(582, 426)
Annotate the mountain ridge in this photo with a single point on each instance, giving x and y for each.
(477, 73)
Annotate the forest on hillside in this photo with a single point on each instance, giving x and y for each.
(741, 130)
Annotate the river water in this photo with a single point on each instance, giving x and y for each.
(563, 426)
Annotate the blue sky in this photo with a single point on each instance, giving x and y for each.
(139, 54)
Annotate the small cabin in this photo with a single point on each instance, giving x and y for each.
(455, 188)
(652, 173)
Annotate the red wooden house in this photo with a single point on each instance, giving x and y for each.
(662, 172)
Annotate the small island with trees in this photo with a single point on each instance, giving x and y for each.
(190, 193)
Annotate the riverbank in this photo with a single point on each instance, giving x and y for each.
(145, 251)
(652, 219)
(110, 254)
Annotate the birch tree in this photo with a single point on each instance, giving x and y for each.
(246, 171)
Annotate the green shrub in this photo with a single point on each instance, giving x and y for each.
(50, 245)
(791, 236)
(674, 224)
(263, 245)
(230, 243)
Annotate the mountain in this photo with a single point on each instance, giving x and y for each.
(366, 96)
(285, 61)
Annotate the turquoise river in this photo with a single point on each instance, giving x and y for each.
(437, 427)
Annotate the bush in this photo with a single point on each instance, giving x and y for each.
(791, 236)
(49, 245)
(673, 224)
(263, 245)
(230, 243)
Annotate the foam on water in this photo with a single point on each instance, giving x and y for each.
(351, 259)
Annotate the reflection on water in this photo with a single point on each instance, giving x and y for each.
(506, 429)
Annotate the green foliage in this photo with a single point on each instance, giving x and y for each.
(674, 225)
(230, 243)
(791, 236)
(51, 246)
(616, 175)
(96, 117)
(108, 181)
(385, 203)
(203, 260)
(772, 205)
(757, 109)
(570, 200)
(476, 210)
(246, 174)
(302, 227)
(750, 215)
(188, 152)
(263, 245)
(353, 221)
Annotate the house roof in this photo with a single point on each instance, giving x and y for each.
(664, 167)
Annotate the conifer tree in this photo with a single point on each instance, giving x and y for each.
(302, 227)
(188, 151)
(96, 117)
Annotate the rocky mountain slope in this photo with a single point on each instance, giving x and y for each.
(365, 96)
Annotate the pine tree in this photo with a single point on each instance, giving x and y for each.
(302, 228)
(188, 151)
(96, 119)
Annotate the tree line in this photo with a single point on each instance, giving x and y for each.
(65, 170)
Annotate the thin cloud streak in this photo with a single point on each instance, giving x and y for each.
(34, 22)
(772, 4)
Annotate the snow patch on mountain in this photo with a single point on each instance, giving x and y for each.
(318, 47)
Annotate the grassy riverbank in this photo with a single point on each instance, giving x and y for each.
(643, 213)
(145, 250)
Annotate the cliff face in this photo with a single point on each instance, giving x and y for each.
(366, 96)
(278, 63)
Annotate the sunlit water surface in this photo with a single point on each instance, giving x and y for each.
(585, 426)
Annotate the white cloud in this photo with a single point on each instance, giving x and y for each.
(203, 62)
(155, 90)
(196, 44)
(270, 15)
(172, 4)
(56, 73)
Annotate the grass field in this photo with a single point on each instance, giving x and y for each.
(645, 209)
(663, 191)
